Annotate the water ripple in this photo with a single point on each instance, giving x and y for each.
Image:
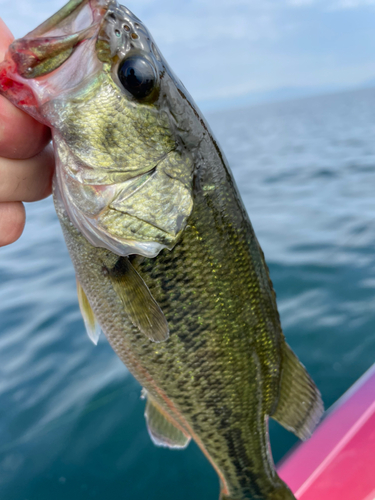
(71, 419)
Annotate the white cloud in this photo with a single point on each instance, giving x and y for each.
(300, 3)
(24, 15)
(331, 4)
(351, 4)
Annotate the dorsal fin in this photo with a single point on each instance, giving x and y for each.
(162, 429)
(139, 304)
(92, 326)
(300, 405)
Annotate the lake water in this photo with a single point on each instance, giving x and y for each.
(71, 417)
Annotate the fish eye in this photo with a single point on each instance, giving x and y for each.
(137, 75)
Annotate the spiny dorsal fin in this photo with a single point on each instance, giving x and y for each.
(161, 428)
(139, 304)
(300, 405)
(92, 326)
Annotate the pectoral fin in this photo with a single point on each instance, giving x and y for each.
(162, 429)
(300, 405)
(92, 326)
(139, 304)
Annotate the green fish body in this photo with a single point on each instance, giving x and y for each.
(167, 262)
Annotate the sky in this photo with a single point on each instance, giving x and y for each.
(229, 52)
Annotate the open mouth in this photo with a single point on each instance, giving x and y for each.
(49, 45)
(27, 75)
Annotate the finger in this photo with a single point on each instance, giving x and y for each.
(12, 222)
(27, 180)
(20, 135)
(6, 38)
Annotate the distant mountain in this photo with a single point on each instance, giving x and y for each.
(276, 95)
(368, 83)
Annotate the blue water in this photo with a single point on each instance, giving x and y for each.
(71, 417)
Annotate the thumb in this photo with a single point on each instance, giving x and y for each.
(6, 38)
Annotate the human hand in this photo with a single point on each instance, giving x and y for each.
(26, 160)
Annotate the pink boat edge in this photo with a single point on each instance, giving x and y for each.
(338, 462)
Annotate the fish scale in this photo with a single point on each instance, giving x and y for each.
(127, 137)
(166, 258)
(197, 376)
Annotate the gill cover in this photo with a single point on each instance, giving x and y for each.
(94, 75)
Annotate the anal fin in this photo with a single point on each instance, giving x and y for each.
(92, 326)
(162, 429)
(300, 405)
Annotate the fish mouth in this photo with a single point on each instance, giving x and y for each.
(49, 45)
(63, 16)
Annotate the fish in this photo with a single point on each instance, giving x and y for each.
(167, 262)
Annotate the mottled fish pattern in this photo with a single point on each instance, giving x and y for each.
(167, 262)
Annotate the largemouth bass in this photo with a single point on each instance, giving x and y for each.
(167, 262)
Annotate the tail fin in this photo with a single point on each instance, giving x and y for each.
(300, 405)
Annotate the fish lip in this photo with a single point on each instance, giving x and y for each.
(62, 32)
(25, 73)
(98, 7)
